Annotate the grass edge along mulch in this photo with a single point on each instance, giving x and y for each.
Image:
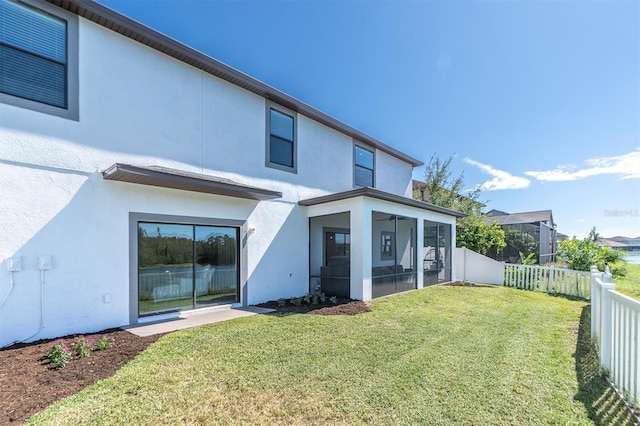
(442, 355)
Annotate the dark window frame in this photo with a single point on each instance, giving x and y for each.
(71, 109)
(356, 166)
(135, 218)
(285, 111)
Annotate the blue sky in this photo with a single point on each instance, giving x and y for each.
(538, 100)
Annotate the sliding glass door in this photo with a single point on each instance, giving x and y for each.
(183, 266)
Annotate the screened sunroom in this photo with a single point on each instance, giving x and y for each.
(366, 243)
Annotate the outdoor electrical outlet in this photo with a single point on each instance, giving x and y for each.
(13, 264)
(44, 262)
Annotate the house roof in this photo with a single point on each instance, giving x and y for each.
(607, 242)
(187, 181)
(136, 31)
(523, 217)
(380, 195)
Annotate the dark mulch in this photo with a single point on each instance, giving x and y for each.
(29, 382)
(344, 306)
(468, 284)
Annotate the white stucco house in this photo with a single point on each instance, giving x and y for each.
(140, 177)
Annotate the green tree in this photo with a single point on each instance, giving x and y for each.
(519, 242)
(582, 254)
(442, 189)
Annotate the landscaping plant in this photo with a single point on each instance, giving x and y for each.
(60, 354)
(83, 346)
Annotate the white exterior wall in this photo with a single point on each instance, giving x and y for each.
(393, 175)
(141, 107)
(477, 268)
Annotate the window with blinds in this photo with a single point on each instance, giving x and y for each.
(34, 54)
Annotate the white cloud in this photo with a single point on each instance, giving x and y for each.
(626, 166)
(501, 179)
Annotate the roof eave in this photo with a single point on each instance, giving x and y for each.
(186, 181)
(134, 30)
(381, 195)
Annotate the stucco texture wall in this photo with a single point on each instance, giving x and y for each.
(140, 107)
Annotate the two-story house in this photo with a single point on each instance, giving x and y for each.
(141, 177)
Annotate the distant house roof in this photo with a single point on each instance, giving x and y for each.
(620, 242)
(517, 218)
(606, 242)
(136, 31)
(626, 240)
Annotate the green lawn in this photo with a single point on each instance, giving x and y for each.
(442, 355)
(629, 284)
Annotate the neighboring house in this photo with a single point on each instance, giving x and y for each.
(625, 244)
(534, 230)
(140, 177)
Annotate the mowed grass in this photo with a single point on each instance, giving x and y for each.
(438, 356)
(629, 284)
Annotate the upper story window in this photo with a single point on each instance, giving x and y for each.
(38, 58)
(281, 138)
(364, 166)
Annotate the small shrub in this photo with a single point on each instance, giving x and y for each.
(334, 300)
(296, 301)
(83, 346)
(103, 343)
(528, 260)
(307, 298)
(60, 354)
(314, 300)
(323, 297)
(282, 302)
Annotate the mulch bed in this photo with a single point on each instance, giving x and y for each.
(468, 284)
(343, 307)
(29, 382)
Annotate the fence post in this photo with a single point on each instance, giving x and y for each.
(607, 276)
(606, 326)
(595, 304)
(551, 274)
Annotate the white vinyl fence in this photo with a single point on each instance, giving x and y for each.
(615, 325)
(178, 284)
(548, 279)
(474, 267)
(477, 268)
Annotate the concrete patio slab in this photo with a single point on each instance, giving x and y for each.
(193, 320)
